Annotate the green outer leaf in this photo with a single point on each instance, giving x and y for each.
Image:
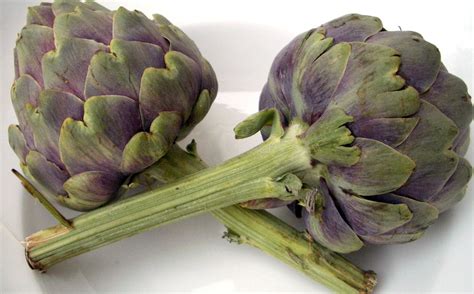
(367, 217)
(429, 146)
(381, 169)
(84, 23)
(254, 123)
(328, 136)
(120, 72)
(96, 143)
(424, 214)
(144, 149)
(32, 44)
(312, 47)
(328, 228)
(393, 104)
(321, 78)
(455, 188)
(66, 67)
(174, 88)
(17, 142)
(370, 71)
(200, 109)
(89, 190)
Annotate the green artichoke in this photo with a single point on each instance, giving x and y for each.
(396, 161)
(101, 95)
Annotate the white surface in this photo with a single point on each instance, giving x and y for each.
(240, 39)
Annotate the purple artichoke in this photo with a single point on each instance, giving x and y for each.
(101, 95)
(395, 160)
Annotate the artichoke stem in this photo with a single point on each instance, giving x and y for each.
(263, 172)
(266, 232)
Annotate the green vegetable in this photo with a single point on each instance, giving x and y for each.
(392, 125)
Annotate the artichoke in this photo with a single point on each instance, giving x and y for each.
(101, 95)
(398, 162)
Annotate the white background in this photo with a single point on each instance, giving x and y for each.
(240, 39)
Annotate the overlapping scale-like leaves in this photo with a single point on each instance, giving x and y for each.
(100, 95)
(388, 128)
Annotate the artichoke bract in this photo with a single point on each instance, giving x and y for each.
(395, 124)
(101, 95)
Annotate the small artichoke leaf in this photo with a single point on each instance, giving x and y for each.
(32, 43)
(266, 102)
(455, 187)
(321, 79)
(461, 143)
(380, 169)
(254, 123)
(66, 67)
(200, 109)
(174, 88)
(47, 118)
(287, 71)
(328, 139)
(96, 143)
(179, 41)
(120, 71)
(25, 91)
(370, 71)
(146, 148)
(17, 142)
(429, 146)
(449, 94)
(367, 217)
(352, 28)
(161, 20)
(84, 23)
(326, 225)
(41, 15)
(91, 189)
(420, 60)
(135, 26)
(424, 214)
(390, 131)
(46, 173)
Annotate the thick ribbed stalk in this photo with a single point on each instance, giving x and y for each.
(273, 236)
(268, 233)
(252, 175)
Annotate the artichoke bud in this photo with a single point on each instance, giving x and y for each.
(388, 130)
(101, 95)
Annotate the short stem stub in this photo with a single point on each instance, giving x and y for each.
(266, 232)
(43, 200)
